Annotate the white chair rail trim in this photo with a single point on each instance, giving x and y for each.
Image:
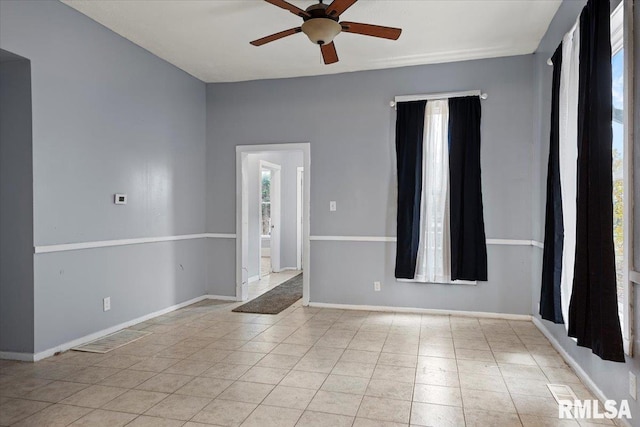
(124, 242)
(43, 249)
(508, 242)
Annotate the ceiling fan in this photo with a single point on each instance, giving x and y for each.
(321, 26)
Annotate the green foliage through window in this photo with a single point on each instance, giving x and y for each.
(265, 206)
(617, 68)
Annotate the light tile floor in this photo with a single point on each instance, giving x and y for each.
(204, 365)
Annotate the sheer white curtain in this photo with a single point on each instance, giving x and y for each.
(568, 150)
(433, 262)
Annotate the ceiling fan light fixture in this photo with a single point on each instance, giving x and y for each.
(321, 30)
(321, 26)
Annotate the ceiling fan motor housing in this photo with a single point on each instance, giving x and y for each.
(320, 27)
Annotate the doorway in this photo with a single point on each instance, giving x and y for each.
(299, 218)
(272, 217)
(270, 179)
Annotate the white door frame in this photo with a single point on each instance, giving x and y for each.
(299, 217)
(276, 208)
(242, 216)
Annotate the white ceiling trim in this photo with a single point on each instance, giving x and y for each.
(210, 39)
(444, 57)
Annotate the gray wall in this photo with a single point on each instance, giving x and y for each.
(16, 201)
(221, 266)
(289, 162)
(140, 279)
(611, 378)
(350, 126)
(636, 146)
(109, 117)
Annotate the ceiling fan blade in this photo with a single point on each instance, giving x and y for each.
(288, 6)
(276, 36)
(329, 53)
(338, 6)
(371, 30)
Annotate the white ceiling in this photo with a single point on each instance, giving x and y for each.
(210, 39)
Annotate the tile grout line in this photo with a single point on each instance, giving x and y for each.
(503, 378)
(455, 355)
(199, 322)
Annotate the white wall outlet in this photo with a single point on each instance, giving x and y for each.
(633, 387)
(376, 286)
(120, 199)
(332, 206)
(106, 304)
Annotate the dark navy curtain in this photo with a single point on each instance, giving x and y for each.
(593, 311)
(409, 134)
(550, 301)
(468, 240)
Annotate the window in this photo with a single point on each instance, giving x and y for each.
(621, 190)
(617, 63)
(574, 233)
(434, 258)
(441, 236)
(265, 204)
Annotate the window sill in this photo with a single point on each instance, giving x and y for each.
(451, 282)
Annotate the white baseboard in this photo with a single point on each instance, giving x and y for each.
(584, 377)
(257, 277)
(487, 315)
(221, 297)
(91, 337)
(31, 357)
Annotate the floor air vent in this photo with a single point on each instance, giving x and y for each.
(113, 341)
(562, 393)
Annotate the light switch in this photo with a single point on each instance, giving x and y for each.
(332, 206)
